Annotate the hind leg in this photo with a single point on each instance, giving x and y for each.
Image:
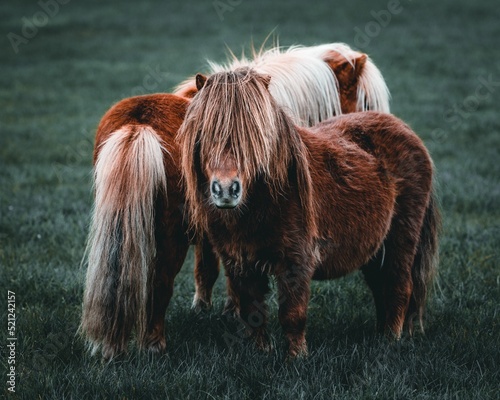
(401, 247)
(390, 280)
(172, 246)
(375, 280)
(397, 297)
(206, 271)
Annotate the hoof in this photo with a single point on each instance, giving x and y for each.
(297, 351)
(200, 305)
(393, 336)
(263, 343)
(230, 308)
(110, 353)
(155, 345)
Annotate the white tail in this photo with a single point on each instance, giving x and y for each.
(129, 174)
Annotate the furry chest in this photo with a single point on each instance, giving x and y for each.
(243, 258)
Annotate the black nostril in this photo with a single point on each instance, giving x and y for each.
(216, 189)
(234, 190)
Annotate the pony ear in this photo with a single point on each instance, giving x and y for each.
(359, 64)
(200, 81)
(350, 70)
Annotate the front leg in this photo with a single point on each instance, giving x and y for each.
(232, 306)
(250, 292)
(206, 271)
(293, 290)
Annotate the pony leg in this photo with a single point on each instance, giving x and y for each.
(375, 280)
(293, 291)
(206, 271)
(402, 245)
(250, 291)
(397, 277)
(232, 306)
(172, 248)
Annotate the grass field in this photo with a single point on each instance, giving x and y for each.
(61, 72)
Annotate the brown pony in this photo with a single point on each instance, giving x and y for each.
(302, 84)
(354, 192)
(137, 241)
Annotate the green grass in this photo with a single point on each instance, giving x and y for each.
(91, 54)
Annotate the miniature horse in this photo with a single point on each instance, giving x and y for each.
(137, 241)
(354, 192)
(304, 86)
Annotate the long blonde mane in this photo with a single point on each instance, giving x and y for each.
(372, 92)
(304, 85)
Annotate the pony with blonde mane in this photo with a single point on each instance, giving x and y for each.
(137, 241)
(312, 84)
(354, 192)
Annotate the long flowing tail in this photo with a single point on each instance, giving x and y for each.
(129, 173)
(425, 264)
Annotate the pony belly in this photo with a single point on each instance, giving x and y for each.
(344, 259)
(329, 269)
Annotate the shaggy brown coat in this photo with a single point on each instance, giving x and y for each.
(354, 192)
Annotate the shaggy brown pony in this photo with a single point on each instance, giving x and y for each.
(354, 192)
(302, 84)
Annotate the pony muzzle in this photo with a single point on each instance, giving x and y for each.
(225, 193)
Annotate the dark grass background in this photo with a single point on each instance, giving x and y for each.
(441, 61)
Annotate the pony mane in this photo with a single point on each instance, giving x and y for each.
(234, 113)
(303, 85)
(373, 93)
